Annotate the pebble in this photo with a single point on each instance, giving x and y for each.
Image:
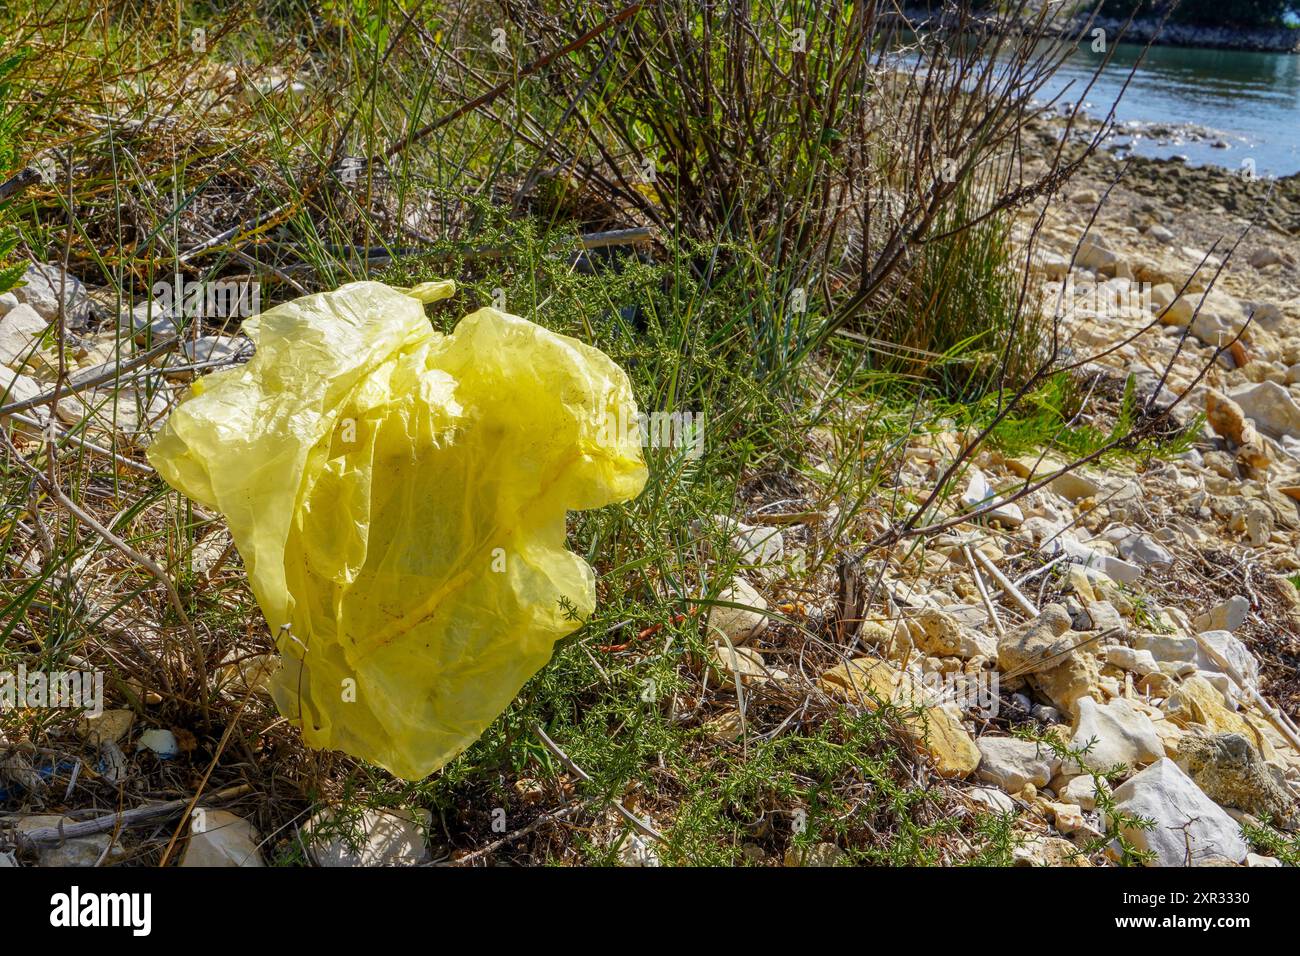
(1103, 616)
(20, 330)
(1254, 859)
(1229, 769)
(1010, 763)
(83, 851)
(1271, 406)
(758, 546)
(221, 839)
(992, 799)
(1227, 616)
(109, 726)
(41, 290)
(941, 635)
(1189, 826)
(728, 663)
(980, 492)
(1142, 550)
(378, 838)
(1118, 733)
(637, 850)
(1140, 662)
(739, 624)
(1081, 790)
(1114, 568)
(161, 742)
(1045, 714)
(1067, 817)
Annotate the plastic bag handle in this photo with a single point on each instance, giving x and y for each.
(428, 292)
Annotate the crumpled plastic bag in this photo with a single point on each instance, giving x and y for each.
(399, 497)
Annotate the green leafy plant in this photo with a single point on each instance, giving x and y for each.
(1114, 840)
(1270, 841)
(1049, 417)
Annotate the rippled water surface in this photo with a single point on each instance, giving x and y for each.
(1250, 101)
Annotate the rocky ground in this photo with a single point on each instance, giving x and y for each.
(1172, 641)
(1112, 661)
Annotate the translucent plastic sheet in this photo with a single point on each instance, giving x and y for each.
(399, 497)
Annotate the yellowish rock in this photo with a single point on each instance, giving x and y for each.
(739, 613)
(1035, 849)
(1198, 701)
(1067, 817)
(1081, 585)
(868, 682)
(727, 663)
(108, 726)
(1226, 418)
(726, 726)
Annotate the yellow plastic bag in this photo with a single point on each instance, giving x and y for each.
(398, 497)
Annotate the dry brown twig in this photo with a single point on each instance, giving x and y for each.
(54, 836)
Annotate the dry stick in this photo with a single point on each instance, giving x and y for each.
(89, 520)
(1005, 583)
(53, 836)
(640, 825)
(77, 384)
(19, 182)
(494, 93)
(1277, 719)
(212, 765)
(984, 593)
(552, 816)
(232, 232)
(83, 443)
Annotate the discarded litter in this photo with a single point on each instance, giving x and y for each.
(399, 497)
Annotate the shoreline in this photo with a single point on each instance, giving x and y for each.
(1281, 40)
(1181, 187)
(1160, 233)
(1241, 39)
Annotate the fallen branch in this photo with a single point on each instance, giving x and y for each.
(76, 383)
(984, 592)
(53, 836)
(1276, 718)
(16, 184)
(81, 442)
(551, 816)
(1005, 583)
(637, 823)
